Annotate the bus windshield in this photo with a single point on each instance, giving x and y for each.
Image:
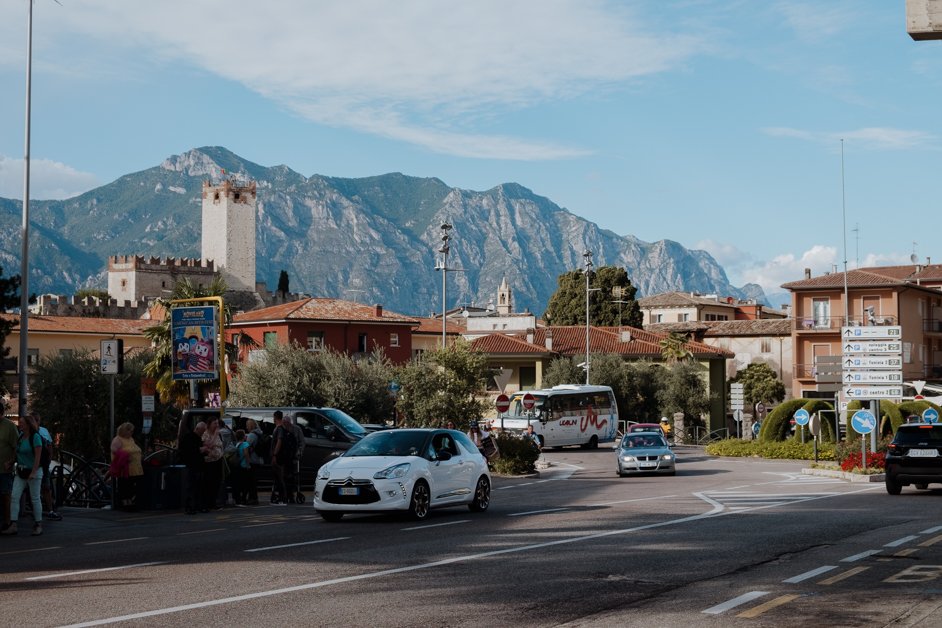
(517, 409)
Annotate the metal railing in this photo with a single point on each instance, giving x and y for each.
(80, 482)
(932, 325)
(834, 323)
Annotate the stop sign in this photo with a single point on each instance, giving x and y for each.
(528, 401)
(502, 403)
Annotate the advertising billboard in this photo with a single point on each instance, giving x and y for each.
(195, 342)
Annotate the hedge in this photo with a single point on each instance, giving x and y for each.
(782, 450)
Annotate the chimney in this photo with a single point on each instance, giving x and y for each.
(530, 332)
(625, 335)
(807, 273)
(378, 310)
(549, 339)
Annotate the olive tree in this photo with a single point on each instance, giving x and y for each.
(446, 384)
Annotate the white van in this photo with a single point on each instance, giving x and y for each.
(565, 415)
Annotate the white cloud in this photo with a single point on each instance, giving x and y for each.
(783, 268)
(874, 138)
(816, 21)
(419, 71)
(728, 255)
(49, 180)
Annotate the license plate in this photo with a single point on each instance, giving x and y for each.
(349, 490)
(923, 453)
(647, 464)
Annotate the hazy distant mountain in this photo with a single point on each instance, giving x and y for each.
(372, 239)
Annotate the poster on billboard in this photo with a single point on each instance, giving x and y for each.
(195, 347)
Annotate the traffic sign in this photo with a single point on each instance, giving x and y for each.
(112, 356)
(147, 403)
(528, 401)
(930, 415)
(863, 421)
(873, 392)
(873, 362)
(814, 424)
(873, 377)
(737, 415)
(872, 331)
(502, 403)
(802, 417)
(871, 346)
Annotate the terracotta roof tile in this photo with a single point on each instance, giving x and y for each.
(82, 324)
(505, 344)
(888, 276)
(322, 309)
(674, 299)
(434, 326)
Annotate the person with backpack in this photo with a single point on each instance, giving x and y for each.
(259, 447)
(293, 472)
(241, 469)
(282, 455)
(49, 505)
(29, 475)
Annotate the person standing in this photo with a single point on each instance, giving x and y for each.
(29, 475)
(241, 470)
(293, 481)
(532, 437)
(127, 483)
(189, 444)
(279, 492)
(253, 436)
(8, 442)
(49, 505)
(212, 471)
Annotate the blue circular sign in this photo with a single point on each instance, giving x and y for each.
(863, 421)
(802, 417)
(756, 427)
(930, 415)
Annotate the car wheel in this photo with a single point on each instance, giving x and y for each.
(482, 495)
(922, 487)
(330, 515)
(593, 443)
(893, 487)
(420, 502)
(672, 473)
(542, 442)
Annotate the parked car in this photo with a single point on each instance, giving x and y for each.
(645, 427)
(644, 452)
(914, 457)
(410, 470)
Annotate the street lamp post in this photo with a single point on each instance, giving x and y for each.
(24, 260)
(588, 267)
(443, 266)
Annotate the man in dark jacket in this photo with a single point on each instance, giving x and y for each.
(191, 455)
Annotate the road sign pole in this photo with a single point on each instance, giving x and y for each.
(110, 409)
(875, 408)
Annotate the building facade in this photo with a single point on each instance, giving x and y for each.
(228, 236)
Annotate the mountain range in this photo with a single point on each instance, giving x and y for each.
(372, 239)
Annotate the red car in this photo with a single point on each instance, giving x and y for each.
(646, 427)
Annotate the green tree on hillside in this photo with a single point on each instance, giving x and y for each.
(567, 305)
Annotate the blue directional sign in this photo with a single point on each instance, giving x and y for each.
(930, 415)
(802, 417)
(863, 421)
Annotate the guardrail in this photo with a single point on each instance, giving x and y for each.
(79, 482)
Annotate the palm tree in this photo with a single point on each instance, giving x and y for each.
(674, 348)
(161, 365)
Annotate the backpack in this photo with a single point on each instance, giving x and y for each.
(263, 446)
(45, 456)
(289, 447)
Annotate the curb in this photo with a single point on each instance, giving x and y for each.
(850, 477)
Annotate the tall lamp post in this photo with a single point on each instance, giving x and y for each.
(587, 256)
(24, 260)
(442, 265)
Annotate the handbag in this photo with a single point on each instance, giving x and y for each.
(23, 472)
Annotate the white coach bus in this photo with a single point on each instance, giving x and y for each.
(565, 415)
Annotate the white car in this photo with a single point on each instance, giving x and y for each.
(410, 470)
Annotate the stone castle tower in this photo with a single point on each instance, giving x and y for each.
(505, 304)
(229, 232)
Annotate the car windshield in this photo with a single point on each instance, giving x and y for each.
(633, 441)
(345, 421)
(924, 435)
(390, 443)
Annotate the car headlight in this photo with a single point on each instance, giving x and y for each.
(667, 457)
(628, 458)
(323, 473)
(395, 471)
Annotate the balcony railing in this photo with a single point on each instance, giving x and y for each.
(932, 325)
(834, 323)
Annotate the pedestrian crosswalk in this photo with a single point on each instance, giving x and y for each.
(801, 478)
(739, 500)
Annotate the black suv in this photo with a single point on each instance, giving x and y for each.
(914, 457)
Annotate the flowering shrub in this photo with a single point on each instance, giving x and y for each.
(875, 460)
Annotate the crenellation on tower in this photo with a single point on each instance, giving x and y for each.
(228, 236)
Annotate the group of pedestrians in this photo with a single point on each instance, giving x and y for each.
(218, 459)
(25, 458)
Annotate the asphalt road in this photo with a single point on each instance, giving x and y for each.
(726, 542)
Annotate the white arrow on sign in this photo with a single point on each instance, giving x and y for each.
(873, 377)
(865, 346)
(872, 362)
(873, 392)
(877, 331)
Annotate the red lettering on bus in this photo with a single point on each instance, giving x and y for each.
(591, 418)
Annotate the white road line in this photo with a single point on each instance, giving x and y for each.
(736, 601)
(931, 530)
(200, 531)
(259, 525)
(810, 574)
(27, 551)
(136, 538)
(274, 547)
(856, 557)
(85, 571)
(625, 501)
(898, 542)
(536, 512)
(436, 525)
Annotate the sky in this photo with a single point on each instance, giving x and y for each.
(717, 124)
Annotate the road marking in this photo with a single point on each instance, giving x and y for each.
(85, 571)
(274, 547)
(536, 512)
(136, 538)
(259, 525)
(26, 551)
(625, 501)
(736, 601)
(436, 525)
(810, 574)
(761, 608)
(898, 542)
(856, 557)
(932, 530)
(906, 552)
(843, 576)
(931, 541)
(200, 531)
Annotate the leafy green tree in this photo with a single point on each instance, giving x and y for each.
(9, 299)
(562, 370)
(567, 305)
(95, 293)
(760, 384)
(674, 348)
(72, 396)
(286, 375)
(444, 384)
(358, 387)
(684, 390)
(644, 380)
